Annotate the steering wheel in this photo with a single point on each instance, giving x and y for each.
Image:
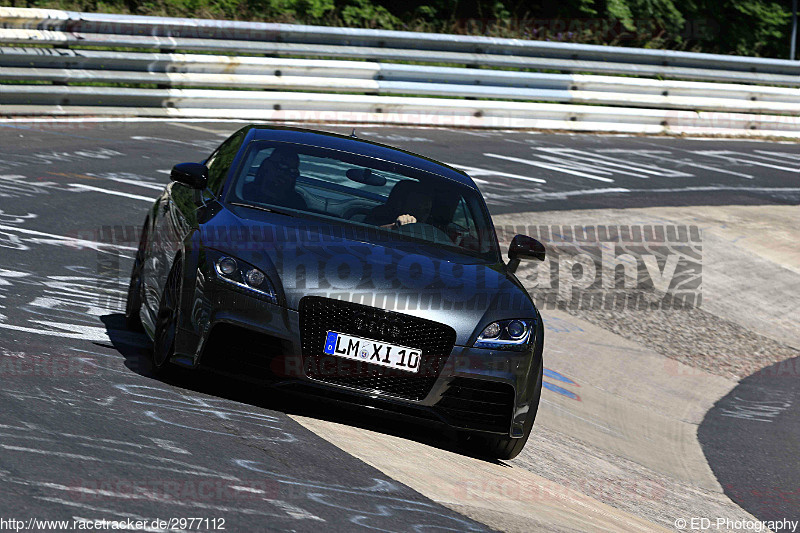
(457, 233)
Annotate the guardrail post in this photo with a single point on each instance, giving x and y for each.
(793, 45)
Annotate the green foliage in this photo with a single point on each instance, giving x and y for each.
(745, 27)
(751, 27)
(365, 14)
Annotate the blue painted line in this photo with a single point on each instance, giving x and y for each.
(559, 390)
(555, 375)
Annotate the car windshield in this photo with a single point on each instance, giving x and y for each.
(305, 180)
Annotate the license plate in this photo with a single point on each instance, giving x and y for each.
(372, 352)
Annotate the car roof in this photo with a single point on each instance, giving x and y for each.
(346, 143)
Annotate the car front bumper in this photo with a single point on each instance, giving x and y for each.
(502, 385)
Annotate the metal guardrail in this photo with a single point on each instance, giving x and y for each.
(468, 95)
(323, 35)
(557, 63)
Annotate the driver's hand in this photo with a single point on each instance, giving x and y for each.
(402, 220)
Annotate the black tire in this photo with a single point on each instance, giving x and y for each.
(133, 303)
(167, 319)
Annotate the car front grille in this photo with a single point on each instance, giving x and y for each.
(477, 404)
(319, 315)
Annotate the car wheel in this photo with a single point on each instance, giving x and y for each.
(167, 319)
(133, 303)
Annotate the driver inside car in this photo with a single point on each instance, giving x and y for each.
(408, 203)
(417, 211)
(275, 180)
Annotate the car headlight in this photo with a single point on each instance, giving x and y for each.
(515, 334)
(242, 274)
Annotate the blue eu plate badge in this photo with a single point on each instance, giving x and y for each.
(330, 342)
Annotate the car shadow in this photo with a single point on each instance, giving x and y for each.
(134, 348)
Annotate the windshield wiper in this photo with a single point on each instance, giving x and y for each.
(267, 209)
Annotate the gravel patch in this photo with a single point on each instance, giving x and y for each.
(672, 321)
(690, 335)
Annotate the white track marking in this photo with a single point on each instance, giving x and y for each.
(87, 333)
(200, 128)
(170, 446)
(248, 489)
(200, 143)
(153, 497)
(550, 166)
(294, 511)
(478, 133)
(771, 158)
(288, 437)
(581, 192)
(81, 186)
(658, 155)
(71, 241)
(544, 196)
(788, 155)
(738, 139)
(144, 184)
(4, 273)
(474, 171)
(734, 158)
(712, 188)
(630, 166)
(105, 511)
(17, 185)
(137, 461)
(77, 331)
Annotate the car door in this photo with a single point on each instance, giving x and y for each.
(176, 219)
(175, 216)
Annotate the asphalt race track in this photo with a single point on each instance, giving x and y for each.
(517, 171)
(86, 432)
(751, 439)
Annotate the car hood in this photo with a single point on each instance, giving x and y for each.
(309, 257)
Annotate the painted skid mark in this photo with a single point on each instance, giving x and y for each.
(756, 410)
(18, 186)
(63, 240)
(56, 158)
(560, 390)
(552, 374)
(367, 505)
(558, 377)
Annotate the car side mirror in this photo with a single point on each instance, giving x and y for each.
(524, 247)
(195, 175)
